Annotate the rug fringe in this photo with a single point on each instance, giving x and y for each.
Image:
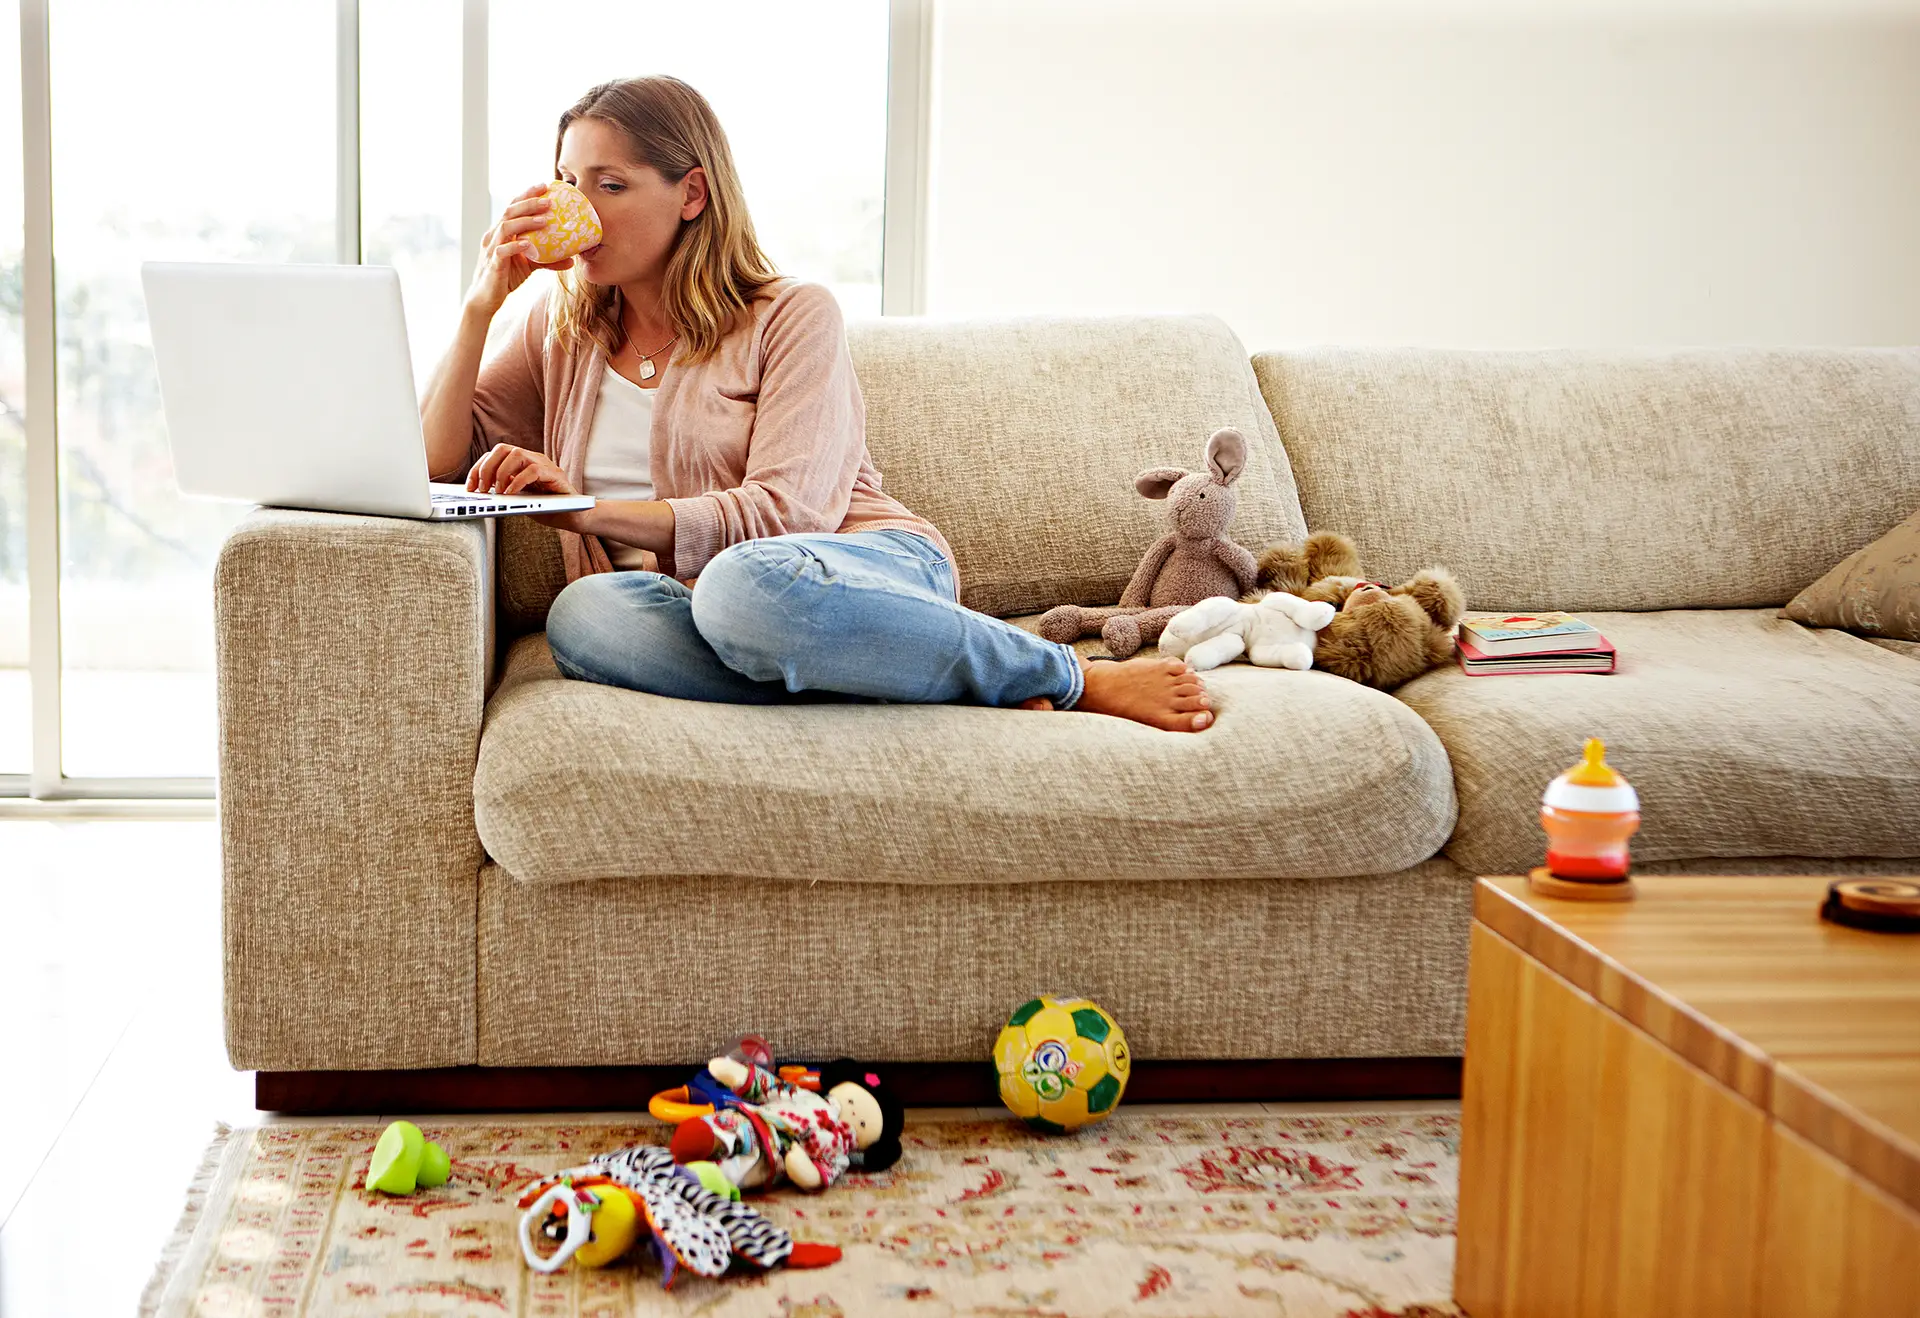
(191, 1215)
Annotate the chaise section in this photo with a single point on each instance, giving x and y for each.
(656, 971)
(353, 657)
(1302, 775)
(1746, 735)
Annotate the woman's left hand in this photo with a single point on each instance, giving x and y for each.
(509, 469)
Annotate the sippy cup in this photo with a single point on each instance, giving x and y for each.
(1589, 812)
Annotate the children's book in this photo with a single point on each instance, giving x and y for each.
(1527, 633)
(1595, 657)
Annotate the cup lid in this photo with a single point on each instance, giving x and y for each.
(1592, 785)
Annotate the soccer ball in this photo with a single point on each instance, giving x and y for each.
(1063, 1063)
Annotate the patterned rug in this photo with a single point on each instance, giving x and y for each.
(1147, 1213)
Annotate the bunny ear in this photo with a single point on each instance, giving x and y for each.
(1227, 454)
(1156, 481)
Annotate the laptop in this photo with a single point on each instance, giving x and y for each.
(292, 386)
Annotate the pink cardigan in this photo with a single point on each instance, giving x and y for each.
(766, 437)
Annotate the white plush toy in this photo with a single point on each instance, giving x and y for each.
(1276, 632)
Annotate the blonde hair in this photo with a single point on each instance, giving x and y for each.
(716, 268)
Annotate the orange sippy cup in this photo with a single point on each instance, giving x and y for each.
(1589, 812)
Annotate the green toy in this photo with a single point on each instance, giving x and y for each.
(404, 1158)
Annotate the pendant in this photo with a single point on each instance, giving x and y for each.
(646, 369)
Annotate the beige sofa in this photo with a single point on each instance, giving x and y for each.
(440, 853)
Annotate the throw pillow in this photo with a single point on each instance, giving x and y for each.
(1875, 591)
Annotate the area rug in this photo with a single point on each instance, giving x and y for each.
(1147, 1213)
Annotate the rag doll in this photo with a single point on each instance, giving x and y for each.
(780, 1131)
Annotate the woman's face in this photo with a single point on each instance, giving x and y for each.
(640, 212)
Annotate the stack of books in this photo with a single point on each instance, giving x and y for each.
(1491, 643)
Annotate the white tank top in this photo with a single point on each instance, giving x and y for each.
(620, 452)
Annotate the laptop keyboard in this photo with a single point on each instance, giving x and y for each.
(482, 500)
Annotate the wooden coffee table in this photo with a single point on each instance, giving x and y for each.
(1703, 1101)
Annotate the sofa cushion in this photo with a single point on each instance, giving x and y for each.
(1744, 734)
(1874, 591)
(1020, 440)
(1603, 480)
(1302, 775)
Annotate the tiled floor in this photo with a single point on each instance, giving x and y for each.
(110, 1030)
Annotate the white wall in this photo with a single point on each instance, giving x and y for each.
(1442, 173)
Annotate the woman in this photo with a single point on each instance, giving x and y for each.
(709, 404)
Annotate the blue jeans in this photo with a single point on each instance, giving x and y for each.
(797, 617)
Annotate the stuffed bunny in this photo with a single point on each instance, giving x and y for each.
(1277, 632)
(1192, 561)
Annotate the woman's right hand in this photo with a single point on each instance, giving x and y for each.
(505, 258)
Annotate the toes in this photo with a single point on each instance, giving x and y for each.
(1038, 702)
(1186, 703)
(1201, 721)
(1174, 665)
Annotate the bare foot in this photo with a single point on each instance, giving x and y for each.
(1160, 692)
(1038, 702)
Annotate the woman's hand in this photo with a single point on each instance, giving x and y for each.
(505, 258)
(507, 469)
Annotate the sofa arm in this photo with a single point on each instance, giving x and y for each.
(354, 656)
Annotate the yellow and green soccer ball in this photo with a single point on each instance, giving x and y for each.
(1063, 1063)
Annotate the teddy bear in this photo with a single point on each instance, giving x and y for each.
(1192, 561)
(1276, 632)
(781, 1131)
(1380, 636)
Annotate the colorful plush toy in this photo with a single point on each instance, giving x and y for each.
(1380, 637)
(775, 1130)
(1192, 561)
(1276, 632)
(597, 1213)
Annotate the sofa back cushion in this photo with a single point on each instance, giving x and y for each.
(1603, 480)
(1020, 439)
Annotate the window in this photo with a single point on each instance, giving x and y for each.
(410, 164)
(210, 133)
(16, 698)
(229, 157)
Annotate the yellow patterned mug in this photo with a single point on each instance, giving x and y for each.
(571, 226)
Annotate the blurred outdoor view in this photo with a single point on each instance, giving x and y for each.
(16, 736)
(230, 157)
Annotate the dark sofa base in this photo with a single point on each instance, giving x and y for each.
(921, 1084)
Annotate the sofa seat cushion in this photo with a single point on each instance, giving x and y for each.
(1744, 734)
(1302, 775)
